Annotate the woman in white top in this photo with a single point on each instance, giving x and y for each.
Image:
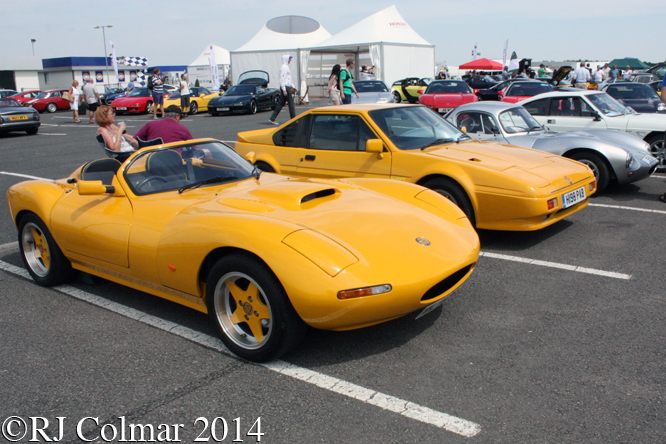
(184, 94)
(74, 98)
(115, 137)
(333, 89)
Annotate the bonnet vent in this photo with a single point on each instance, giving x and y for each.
(317, 195)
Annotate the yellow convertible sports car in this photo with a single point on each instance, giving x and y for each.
(264, 255)
(409, 89)
(498, 186)
(199, 98)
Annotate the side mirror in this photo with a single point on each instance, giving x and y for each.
(251, 157)
(596, 116)
(94, 187)
(375, 146)
(202, 95)
(420, 91)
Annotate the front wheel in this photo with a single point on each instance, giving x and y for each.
(149, 107)
(598, 167)
(250, 309)
(253, 107)
(51, 107)
(41, 255)
(455, 193)
(194, 108)
(396, 97)
(658, 150)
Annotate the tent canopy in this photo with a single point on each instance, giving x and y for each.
(482, 64)
(221, 57)
(288, 32)
(631, 62)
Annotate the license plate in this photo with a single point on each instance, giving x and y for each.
(121, 108)
(223, 109)
(573, 197)
(430, 308)
(18, 118)
(444, 110)
(648, 159)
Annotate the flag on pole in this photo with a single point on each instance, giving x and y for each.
(506, 47)
(214, 74)
(513, 64)
(114, 61)
(474, 52)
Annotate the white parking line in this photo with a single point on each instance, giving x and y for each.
(51, 134)
(621, 207)
(25, 175)
(11, 247)
(576, 268)
(387, 402)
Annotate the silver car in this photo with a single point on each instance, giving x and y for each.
(612, 155)
(372, 91)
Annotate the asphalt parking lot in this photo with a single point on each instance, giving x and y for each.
(557, 337)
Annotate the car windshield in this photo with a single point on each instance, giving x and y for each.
(139, 92)
(415, 127)
(240, 90)
(370, 86)
(9, 102)
(517, 120)
(632, 91)
(606, 104)
(448, 87)
(170, 169)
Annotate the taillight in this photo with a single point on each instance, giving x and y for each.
(552, 203)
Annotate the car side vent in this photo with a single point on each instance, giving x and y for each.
(444, 286)
(317, 195)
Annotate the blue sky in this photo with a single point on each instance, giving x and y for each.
(171, 32)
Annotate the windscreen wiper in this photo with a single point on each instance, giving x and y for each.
(216, 179)
(437, 142)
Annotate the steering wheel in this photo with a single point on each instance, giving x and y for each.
(150, 179)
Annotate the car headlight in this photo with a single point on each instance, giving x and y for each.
(2, 120)
(239, 103)
(630, 157)
(661, 107)
(324, 252)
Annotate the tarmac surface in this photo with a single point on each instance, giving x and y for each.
(557, 337)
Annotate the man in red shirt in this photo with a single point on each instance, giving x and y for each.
(169, 129)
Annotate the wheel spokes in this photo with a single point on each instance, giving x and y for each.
(41, 249)
(250, 308)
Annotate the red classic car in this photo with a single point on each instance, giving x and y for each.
(444, 95)
(518, 91)
(26, 96)
(140, 100)
(50, 101)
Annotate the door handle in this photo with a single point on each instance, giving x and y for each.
(310, 157)
(551, 120)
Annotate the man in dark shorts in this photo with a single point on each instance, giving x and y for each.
(92, 98)
(158, 92)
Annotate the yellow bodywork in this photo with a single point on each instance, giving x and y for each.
(317, 236)
(508, 186)
(201, 101)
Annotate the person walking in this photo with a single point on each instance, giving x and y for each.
(333, 90)
(130, 88)
(74, 99)
(542, 71)
(287, 88)
(606, 71)
(91, 98)
(614, 73)
(346, 83)
(627, 73)
(505, 73)
(598, 75)
(184, 94)
(581, 77)
(157, 83)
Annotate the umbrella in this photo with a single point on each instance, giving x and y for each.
(632, 62)
(482, 64)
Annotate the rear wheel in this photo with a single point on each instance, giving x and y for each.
(598, 167)
(251, 310)
(51, 107)
(41, 255)
(396, 96)
(194, 108)
(658, 150)
(455, 193)
(32, 131)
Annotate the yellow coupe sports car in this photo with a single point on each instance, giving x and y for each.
(199, 98)
(498, 186)
(264, 255)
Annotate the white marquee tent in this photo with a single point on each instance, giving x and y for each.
(200, 68)
(279, 36)
(396, 50)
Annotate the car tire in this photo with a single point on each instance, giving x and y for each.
(41, 255)
(51, 107)
(263, 166)
(598, 167)
(658, 150)
(250, 309)
(214, 113)
(396, 97)
(149, 107)
(253, 107)
(450, 189)
(194, 108)
(32, 131)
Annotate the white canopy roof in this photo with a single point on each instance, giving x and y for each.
(221, 57)
(286, 32)
(385, 26)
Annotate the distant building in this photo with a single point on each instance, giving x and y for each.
(20, 73)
